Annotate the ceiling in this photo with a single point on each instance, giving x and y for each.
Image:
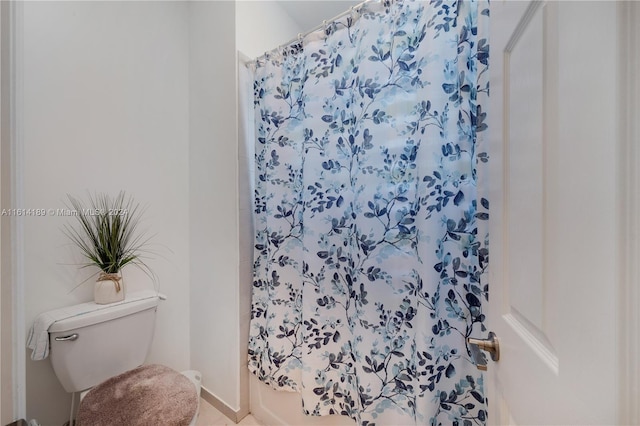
(308, 14)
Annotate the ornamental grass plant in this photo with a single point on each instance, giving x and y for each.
(108, 233)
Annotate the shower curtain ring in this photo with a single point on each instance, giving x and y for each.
(326, 27)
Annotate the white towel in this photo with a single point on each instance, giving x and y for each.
(38, 338)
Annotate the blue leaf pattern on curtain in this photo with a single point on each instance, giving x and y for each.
(368, 273)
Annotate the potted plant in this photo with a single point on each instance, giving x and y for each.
(108, 237)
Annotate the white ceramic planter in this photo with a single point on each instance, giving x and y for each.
(108, 289)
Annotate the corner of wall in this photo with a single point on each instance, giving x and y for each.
(213, 165)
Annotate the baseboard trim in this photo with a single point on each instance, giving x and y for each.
(219, 405)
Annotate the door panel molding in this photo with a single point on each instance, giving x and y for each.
(538, 343)
(629, 113)
(577, 370)
(525, 142)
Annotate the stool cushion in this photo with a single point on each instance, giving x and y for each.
(147, 395)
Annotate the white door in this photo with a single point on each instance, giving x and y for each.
(556, 191)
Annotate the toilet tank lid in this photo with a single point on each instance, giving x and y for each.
(86, 314)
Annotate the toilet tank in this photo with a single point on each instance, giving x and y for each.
(106, 340)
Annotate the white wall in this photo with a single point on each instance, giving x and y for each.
(105, 107)
(214, 201)
(142, 96)
(262, 26)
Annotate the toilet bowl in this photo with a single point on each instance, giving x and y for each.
(93, 347)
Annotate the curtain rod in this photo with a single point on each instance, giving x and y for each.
(300, 36)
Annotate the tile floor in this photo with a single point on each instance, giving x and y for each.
(210, 416)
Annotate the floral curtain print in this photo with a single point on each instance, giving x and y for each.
(368, 274)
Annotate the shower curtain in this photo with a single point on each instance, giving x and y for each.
(368, 264)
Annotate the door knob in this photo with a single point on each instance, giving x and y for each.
(491, 345)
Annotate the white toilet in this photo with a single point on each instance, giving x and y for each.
(99, 342)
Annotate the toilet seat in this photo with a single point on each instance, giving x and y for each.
(150, 394)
